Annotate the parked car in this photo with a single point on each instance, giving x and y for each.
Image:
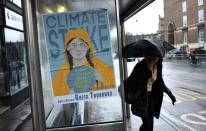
(201, 51)
(201, 54)
(176, 53)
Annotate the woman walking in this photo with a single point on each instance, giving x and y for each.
(147, 77)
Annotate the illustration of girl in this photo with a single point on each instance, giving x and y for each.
(81, 71)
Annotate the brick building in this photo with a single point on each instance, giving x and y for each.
(161, 30)
(184, 22)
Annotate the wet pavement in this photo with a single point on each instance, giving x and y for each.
(105, 110)
(108, 110)
(159, 124)
(11, 120)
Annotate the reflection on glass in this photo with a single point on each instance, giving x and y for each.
(16, 58)
(2, 70)
(91, 112)
(16, 2)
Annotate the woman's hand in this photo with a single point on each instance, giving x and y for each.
(169, 93)
(172, 97)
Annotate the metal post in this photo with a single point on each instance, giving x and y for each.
(120, 32)
(34, 65)
(125, 67)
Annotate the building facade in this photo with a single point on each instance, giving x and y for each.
(184, 22)
(161, 30)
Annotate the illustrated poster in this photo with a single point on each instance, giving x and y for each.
(79, 53)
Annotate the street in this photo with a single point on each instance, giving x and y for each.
(188, 85)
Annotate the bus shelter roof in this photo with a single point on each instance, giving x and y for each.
(127, 8)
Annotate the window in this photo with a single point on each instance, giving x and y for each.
(185, 20)
(16, 2)
(184, 6)
(200, 16)
(201, 35)
(17, 64)
(200, 2)
(184, 36)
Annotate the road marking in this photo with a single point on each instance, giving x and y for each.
(184, 83)
(202, 112)
(178, 123)
(194, 94)
(198, 119)
(193, 75)
(185, 95)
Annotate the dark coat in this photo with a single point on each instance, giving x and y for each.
(138, 79)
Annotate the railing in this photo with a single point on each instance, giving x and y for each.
(185, 58)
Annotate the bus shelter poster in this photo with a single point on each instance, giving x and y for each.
(80, 58)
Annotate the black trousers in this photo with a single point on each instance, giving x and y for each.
(148, 119)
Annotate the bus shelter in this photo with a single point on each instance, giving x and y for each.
(75, 63)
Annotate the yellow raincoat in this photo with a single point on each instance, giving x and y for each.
(60, 86)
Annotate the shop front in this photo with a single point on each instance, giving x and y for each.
(13, 65)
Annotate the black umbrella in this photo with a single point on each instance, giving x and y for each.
(143, 48)
(164, 45)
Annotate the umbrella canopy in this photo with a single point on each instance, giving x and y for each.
(144, 48)
(164, 45)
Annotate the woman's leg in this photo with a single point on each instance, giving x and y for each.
(147, 123)
(148, 119)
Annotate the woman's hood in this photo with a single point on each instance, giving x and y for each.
(81, 34)
(78, 33)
